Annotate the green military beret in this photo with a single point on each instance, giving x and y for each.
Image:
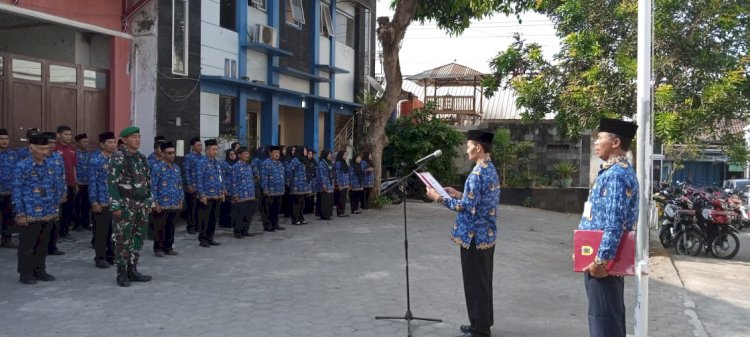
(129, 131)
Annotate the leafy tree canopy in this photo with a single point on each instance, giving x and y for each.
(701, 68)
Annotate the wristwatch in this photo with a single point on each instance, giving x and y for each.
(600, 262)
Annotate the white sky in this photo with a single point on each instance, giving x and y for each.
(426, 47)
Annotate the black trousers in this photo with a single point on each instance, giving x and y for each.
(309, 204)
(273, 207)
(286, 204)
(208, 214)
(477, 267)
(606, 306)
(242, 214)
(164, 224)
(325, 204)
(298, 207)
(68, 211)
(340, 197)
(103, 247)
(225, 213)
(6, 216)
(82, 207)
(366, 202)
(54, 236)
(355, 199)
(32, 247)
(191, 203)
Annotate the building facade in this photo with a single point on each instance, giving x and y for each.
(65, 62)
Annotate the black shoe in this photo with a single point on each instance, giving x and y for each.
(299, 223)
(67, 237)
(172, 252)
(101, 263)
(111, 261)
(304, 222)
(214, 243)
(357, 212)
(27, 279)
(56, 252)
(159, 253)
(343, 215)
(248, 234)
(471, 334)
(44, 277)
(326, 219)
(122, 277)
(467, 328)
(279, 228)
(204, 244)
(135, 276)
(269, 229)
(191, 231)
(238, 236)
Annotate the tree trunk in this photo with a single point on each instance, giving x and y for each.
(390, 34)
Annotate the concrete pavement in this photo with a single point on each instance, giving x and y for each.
(329, 278)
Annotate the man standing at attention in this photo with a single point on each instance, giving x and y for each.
(613, 208)
(8, 161)
(166, 183)
(272, 183)
(65, 148)
(129, 184)
(83, 166)
(475, 231)
(100, 200)
(191, 201)
(211, 189)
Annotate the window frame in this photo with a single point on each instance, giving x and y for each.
(257, 4)
(326, 22)
(353, 37)
(234, 14)
(290, 19)
(186, 39)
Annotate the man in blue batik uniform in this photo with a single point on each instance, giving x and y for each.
(158, 155)
(82, 206)
(61, 190)
(100, 201)
(211, 189)
(613, 208)
(8, 161)
(475, 231)
(272, 183)
(191, 200)
(166, 187)
(242, 189)
(36, 204)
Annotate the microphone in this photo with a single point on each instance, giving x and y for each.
(431, 157)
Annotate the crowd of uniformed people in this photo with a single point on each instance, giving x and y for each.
(57, 184)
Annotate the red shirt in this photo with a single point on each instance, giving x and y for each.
(68, 153)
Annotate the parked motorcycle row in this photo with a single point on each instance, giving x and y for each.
(702, 220)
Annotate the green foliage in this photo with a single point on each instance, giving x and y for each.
(526, 202)
(701, 63)
(418, 134)
(564, 170)
(382, 201)
(456, 15)
(507, 154)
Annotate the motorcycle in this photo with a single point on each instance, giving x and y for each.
(712, 230)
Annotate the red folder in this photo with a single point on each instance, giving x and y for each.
(586, 245)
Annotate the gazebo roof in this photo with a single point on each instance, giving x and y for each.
(449, 75)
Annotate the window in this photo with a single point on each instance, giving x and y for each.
(369, 56)
(179, 37)
(62, 75)
(27, 70)
(345, 29)
(230, 68)
(228, 14)
(259, 4)
(325, 21)
(227, 107)
(1, 66)
(295, 15)
(94, 79)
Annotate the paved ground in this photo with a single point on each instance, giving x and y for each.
(330, 279)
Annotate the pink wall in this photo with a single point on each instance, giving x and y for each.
(119, 85)
(104, 13)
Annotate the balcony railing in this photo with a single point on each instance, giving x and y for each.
(449, 105)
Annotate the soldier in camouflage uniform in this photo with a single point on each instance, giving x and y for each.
(130, 189)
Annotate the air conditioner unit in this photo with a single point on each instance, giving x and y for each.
(266, 35)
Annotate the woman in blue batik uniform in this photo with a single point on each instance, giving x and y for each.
(475, 231)
(369, 170)
(298, 179)
(312, 166)
(357, 179)
(225, 217)
(341, 182)
(325, 181)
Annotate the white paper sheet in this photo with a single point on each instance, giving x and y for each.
(430, 181)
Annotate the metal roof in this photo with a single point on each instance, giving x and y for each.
(452, 74)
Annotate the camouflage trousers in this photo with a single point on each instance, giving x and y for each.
(129, 232)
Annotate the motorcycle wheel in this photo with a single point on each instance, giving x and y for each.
(689, 242)
(664, 237)
(725, 245)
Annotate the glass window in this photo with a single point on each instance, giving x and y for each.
(326, 27)
(344, 29)
(62, 75)
(27, 70)
(94, 79)
(1, 66)
(295, 14)
(227, 107)
(259, 4)
(228, 14)
(179, 37)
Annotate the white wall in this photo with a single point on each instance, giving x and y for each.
(257, 63)
(145, 56)
(293, 83)
(209, 115)
(325, 87)
(345, 82)
(217, 43)
(325, 50)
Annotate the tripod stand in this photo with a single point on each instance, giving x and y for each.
(408, 317)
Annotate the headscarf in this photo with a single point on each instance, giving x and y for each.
(309, 169)
(226, 157)
(324, 158)
(366, 158)
(358, 169)
(340, 158)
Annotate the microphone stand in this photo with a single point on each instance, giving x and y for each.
(408, 317)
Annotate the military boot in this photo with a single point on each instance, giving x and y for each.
(135, 276)
(122, 277)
